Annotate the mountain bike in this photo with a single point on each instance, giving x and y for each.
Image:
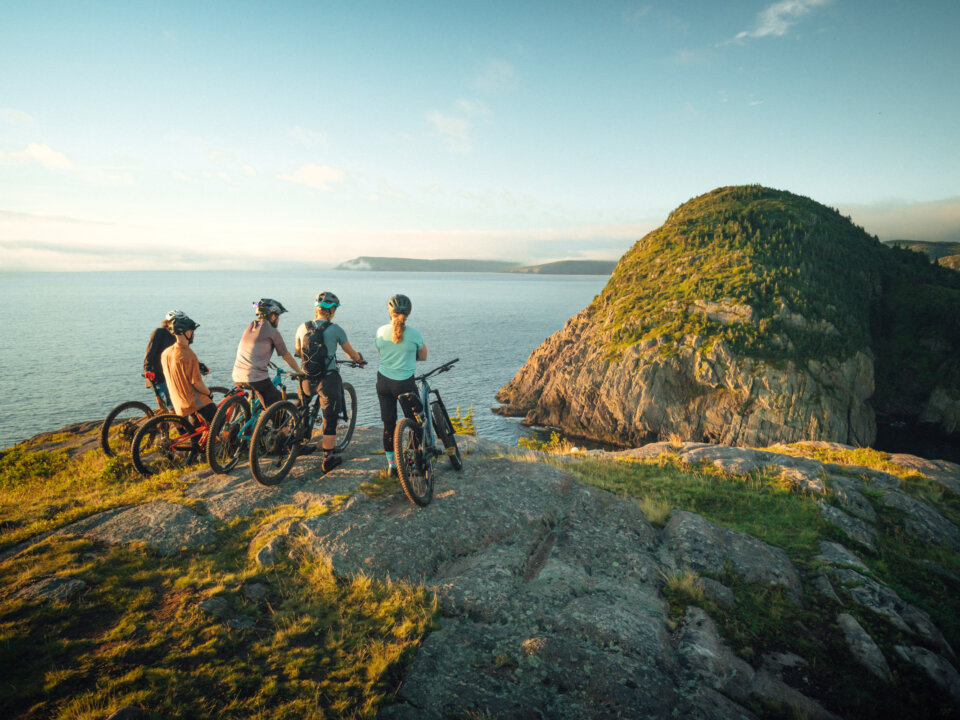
(414, 443)
(232, 426)
(285, 426)
(122, 422)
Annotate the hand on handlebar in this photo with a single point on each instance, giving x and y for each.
(204, 370)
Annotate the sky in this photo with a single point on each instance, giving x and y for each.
(244, 135)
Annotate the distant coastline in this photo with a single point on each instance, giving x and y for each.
(560, 267)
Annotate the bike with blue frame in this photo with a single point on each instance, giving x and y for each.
(414, 440)
(232, 426)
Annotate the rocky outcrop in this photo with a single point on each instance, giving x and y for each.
(664, 352)
(704, 394)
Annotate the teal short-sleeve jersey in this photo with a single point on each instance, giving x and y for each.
(398, 361)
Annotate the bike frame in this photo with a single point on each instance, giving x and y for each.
(427, 438)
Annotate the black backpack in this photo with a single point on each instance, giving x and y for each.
(313, 350)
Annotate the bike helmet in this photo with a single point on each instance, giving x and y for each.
(174, 314)
(266, 306)
(327, 300)
(182, 323)
(400, 304)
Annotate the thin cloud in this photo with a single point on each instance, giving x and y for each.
(39, 154)
(775, 20)
(495, 75)
(12, 216)
(454, 130)
(16, 117)
(308, 138)
(317, 177)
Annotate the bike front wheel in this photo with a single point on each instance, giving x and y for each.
(446, 433)
(164, 442)
(413, 468)
(274, 443)
(346, 427)
(121, 425)
(225, 443)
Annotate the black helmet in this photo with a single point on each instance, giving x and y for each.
(266, 306)
(182, 323)
(174, 314)
(400, 304)
(326, 300)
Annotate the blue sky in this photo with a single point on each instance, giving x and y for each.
(241, 134)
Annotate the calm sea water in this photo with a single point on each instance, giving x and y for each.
(72, 343)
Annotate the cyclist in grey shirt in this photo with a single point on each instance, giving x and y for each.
(256, 347)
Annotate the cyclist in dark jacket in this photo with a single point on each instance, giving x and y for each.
(400, 347)
(160, 340)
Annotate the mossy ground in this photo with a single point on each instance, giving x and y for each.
(319, 647)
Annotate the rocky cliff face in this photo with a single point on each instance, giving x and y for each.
(707, 394)
(751, 317)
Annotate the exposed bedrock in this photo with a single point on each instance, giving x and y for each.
(708, 395)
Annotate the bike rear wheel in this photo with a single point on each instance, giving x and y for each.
(346, 427)
(225, 445)
(274, 443)
(446, 433)
(164, 442)
(121, 425)
(413, 466)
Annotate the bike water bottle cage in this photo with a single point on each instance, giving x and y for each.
(326, 300)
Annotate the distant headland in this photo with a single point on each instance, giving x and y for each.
(560, 267)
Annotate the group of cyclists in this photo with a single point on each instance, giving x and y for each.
(171, 366)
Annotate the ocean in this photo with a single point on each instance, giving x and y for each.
(73, 343)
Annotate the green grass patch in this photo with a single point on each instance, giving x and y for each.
(319, 647)
(757, 504)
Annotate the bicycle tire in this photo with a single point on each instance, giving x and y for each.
(117, 430)
(345, 429)
(416, 481)
(218, 390)
(224, 444)
(274, 443)
(164, 442)
(446, 433)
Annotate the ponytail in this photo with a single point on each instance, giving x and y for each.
(399, 325)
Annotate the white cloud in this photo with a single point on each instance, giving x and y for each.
(248, 170)
(495, 75)
(37, 153)
(318, 177)
(454, 130)
(16, 117)
(309, 138)
(775, 20)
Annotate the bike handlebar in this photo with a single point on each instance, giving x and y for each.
(441, 369)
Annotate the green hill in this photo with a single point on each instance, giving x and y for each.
(386, 264)
(753, 315)
(933, 250)
(568, 267)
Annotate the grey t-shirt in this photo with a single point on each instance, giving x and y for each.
(333, 336)
(256, 348)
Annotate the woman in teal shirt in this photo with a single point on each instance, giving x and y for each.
(400, 347)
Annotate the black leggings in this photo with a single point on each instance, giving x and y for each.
(387, 393)
(265, 390)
